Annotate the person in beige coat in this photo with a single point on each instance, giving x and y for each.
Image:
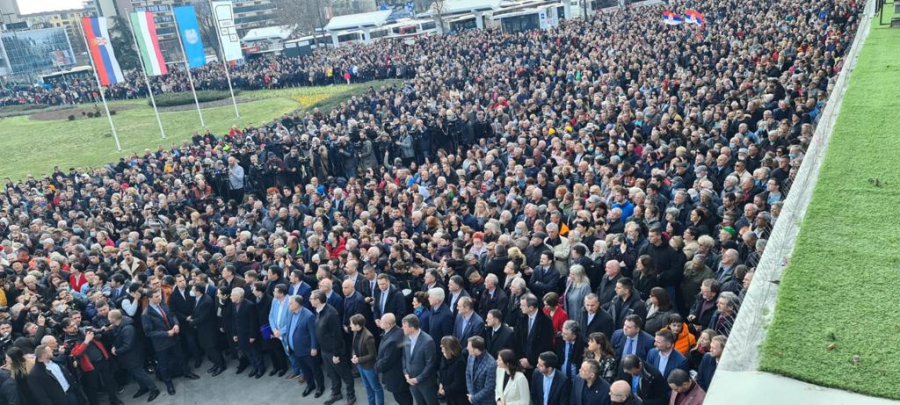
(511, 383)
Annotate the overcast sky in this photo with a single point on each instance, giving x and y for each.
(39, 6)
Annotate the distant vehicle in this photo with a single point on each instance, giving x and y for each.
(77, 73)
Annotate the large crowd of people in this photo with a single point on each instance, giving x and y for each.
(338, 66)
(567, 216)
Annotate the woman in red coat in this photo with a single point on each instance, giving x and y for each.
(557, 315)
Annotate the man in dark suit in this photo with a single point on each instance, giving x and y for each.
(456, 292)
(419, 362)
(548, 385)
(182, 304)
(468, 323)
(492, 297)
(595, 319)
(390, 353)
(161, 326)
(569, 349)
(368, 284)
(204, 323)
(587, 387)
(664, 357)
(127, 349)
(388, 299)
(626, 302)
(497, 335)
(331, 297)
(544, 278)
(534, 333)
(631, 339)
(440, 321)
(335, 355)
(302, 346)
(51, 383)
(269, 345)
(246, 332)
(355, 303)
(646, 379)
(299, 287)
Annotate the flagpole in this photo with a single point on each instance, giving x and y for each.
(146, 80)
(187, 65)
(224, 59)
(100, 86)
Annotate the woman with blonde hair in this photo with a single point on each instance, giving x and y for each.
(578, 286)
(19, 366)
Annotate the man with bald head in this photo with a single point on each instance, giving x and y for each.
(390, 356)
(355, 303)
(332, 298)
(620, 393)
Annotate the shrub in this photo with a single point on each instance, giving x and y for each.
(71, 118)
(83, 113)
(90, 115)
(112, 112)
(176, 99)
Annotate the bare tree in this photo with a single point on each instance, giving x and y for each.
(301, 16)
(207, 25)
(438, 9)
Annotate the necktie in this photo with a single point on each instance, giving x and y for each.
(383, 301)
(628, 347)
(530, 324)
(164, 317)
(566, 363)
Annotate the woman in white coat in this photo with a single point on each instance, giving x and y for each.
(511, 384)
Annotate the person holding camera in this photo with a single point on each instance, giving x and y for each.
(93, 359)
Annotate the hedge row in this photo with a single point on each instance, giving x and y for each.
(182, 98)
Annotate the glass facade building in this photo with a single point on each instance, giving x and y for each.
(36, 50)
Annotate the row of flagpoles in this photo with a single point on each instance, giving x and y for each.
(107, 71)
(690, 17)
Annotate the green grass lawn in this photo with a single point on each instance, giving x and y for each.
(34, 147)
(839, 286)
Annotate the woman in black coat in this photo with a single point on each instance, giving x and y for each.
(453, 372)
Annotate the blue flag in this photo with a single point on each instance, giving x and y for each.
(186, 18)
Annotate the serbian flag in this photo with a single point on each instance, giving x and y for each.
(100, 46)
(692, 16)
(670, 18)
(148, 43)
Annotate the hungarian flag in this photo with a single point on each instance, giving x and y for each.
(148, 43)
(96, 31)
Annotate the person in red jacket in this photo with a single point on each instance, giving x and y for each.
(93, 360)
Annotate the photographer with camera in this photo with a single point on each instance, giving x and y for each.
(94, 361)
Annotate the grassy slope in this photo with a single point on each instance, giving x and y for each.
(845, 268)
(35, 147)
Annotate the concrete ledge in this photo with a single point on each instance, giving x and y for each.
(737, 380)
(755, 387)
